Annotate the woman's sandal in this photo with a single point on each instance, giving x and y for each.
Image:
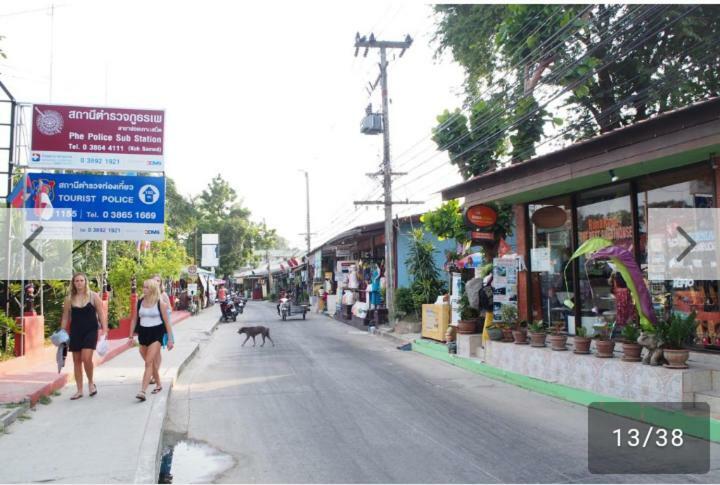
(140, 396)
(76, 396)
(94, 391)
(156, 390)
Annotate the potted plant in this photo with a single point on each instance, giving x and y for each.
(603, 343)
(468, 316)
(509, 315)
(495, 332)
(631, 349)
(537, 334)
(674, 333)
(558, 339)
(582, 341)
(520, 332)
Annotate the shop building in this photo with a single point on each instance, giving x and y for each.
(604, 187)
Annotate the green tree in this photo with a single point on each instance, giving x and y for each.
(180, 213)
(606, 66)
(220, 212)
(426, 284)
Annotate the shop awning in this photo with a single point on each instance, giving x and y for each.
(681, 137)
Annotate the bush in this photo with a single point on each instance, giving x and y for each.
(405, 301)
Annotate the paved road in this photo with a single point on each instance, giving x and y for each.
(329, 403)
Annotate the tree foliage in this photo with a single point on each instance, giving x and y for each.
(426, 283)
(598, 67)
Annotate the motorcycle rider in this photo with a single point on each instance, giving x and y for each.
(284, 294)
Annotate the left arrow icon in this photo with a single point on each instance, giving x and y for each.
(27, 243)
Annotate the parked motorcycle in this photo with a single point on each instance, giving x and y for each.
(228, 310)
(239, 302)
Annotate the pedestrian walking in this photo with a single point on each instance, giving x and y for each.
(83, 316)
(166, 299)
(152, 325)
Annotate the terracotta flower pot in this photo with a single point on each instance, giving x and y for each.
(520, 337)
(604, 348)
(537, 339)
(677, 359)
(558, 342)
(495, 334)
(466, 326)
(631, 352)
(582, 345)
(507, 335)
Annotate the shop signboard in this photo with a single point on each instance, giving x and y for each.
(343, 269)
(210, 256)
(102, 139)
(342, 253)
(103, 207)
(455, 290)
(504, 284)
(480, 216)
(482, 236)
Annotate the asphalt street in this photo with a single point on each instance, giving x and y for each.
(330, 403)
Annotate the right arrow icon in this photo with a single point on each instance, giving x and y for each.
(687, 249)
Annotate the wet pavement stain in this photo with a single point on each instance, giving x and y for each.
(190, 461)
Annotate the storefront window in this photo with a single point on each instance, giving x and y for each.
(551, 250)
(605, 213)
(692, 188)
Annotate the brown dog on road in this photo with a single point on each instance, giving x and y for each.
(253, 331)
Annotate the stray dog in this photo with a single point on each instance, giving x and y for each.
(253, 331)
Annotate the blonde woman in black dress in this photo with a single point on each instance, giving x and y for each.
(152, 325)
(83, 314)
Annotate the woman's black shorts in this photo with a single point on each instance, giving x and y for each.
(148, 335)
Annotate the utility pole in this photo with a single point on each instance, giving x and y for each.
(307, 209)
(387, 174)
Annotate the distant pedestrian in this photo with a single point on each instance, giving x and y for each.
(83, 316)
(152, 325)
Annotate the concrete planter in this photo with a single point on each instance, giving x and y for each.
(604, 348)
(520, 336)
(467, 326)
(631, 352)
(537, 339)
(558, 342)
(677, 359)
(582, 345)
(495, 334)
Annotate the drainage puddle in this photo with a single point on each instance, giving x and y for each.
(190, 461)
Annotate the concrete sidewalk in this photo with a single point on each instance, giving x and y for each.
(111, 437)
(27, 379)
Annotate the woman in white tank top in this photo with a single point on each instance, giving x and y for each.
(152, 325)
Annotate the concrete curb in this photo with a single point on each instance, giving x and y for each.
(49, 388)
(12, 414)
(570, 394)
(150, 450)
(395, 338)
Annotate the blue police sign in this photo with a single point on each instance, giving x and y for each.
(102, 207)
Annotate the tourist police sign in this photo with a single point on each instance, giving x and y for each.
(103, 207)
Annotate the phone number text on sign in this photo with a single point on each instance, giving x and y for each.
(103, 206)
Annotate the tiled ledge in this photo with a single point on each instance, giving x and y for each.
(632, 381)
